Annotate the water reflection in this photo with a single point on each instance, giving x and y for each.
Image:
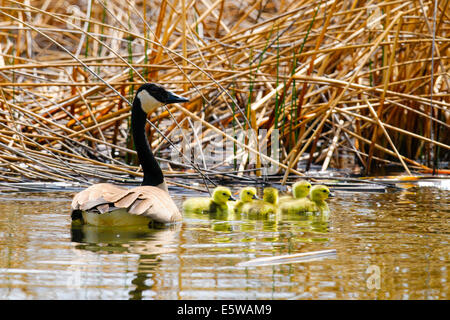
(404, 235)
(140, 240)
(238, 222)
(251, 235)
(147, 244)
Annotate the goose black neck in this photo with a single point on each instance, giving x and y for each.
(153, 175)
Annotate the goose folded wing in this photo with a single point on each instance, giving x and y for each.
(95, 195)
(155, 204)
(147, 201)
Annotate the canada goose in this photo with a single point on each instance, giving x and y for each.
(316, 203)
(218, 202)
(300, 189)
(265, 206)
(247, 195)
(107, 204)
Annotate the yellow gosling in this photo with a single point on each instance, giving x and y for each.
(316, 203)
(247, 195)
(218, 202)
(300, 190)
(263, 207)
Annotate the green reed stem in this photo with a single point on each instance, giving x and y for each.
(102, 31)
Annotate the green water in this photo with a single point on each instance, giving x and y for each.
(391, 245)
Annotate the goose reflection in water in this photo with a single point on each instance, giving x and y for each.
(150, 246)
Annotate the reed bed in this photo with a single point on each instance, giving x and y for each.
(355, 84)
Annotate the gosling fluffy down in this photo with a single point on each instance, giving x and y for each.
(316, 203)
(218, 202)
(247, 195)
(300, 190)
(263, 207)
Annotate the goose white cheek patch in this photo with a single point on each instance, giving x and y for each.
(148, 103)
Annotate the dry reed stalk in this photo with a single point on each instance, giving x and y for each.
(334, 78)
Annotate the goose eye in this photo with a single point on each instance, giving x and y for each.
(324, 190)
(248, 192)
(224, 194)
(308, 187)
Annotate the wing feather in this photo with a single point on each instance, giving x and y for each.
(141, 206)
(127, 200)
(92, 203)
(115, 195)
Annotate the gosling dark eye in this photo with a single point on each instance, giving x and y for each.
(324, 191)
(248, 192)
(224, 194)
(308, 187)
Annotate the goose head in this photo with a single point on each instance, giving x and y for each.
(319, 193)
(221, 195)
(248, 194)
(300, 189)
(152, 96)
(149, 97)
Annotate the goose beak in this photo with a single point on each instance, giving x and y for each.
(331, 195)
(255, 197)
(174, 98)
(231, 198)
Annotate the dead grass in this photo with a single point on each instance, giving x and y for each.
(339, 79)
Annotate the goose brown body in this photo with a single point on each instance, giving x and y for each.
(145, 203)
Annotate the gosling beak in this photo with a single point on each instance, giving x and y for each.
(174, 98)
(255, 197)
(331, 195)
(231, 198)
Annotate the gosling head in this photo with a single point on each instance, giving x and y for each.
(248, 194)
(152, 96)
(221, 195)
(270, 195)
(319, 192)
(301, 189)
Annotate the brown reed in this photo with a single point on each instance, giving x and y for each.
(343, 81)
